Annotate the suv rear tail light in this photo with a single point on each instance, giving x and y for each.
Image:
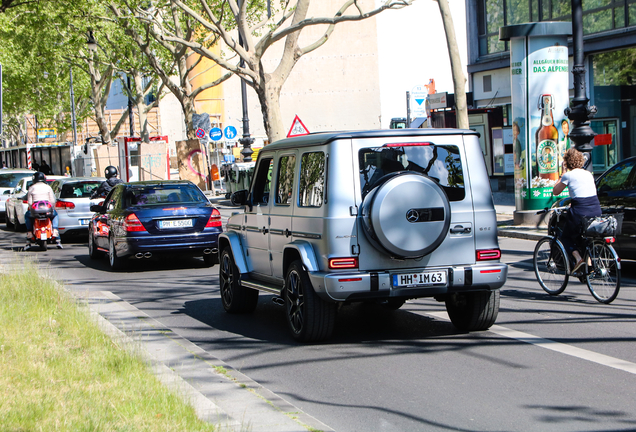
(343, 263)
(64, 205)
(488, 254)
(133, 224)
(215, 219)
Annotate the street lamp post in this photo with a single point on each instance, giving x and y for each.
(247, 140)
(579, 112)
(73, 118)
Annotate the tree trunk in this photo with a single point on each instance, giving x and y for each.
(270, 108)
(459, 80)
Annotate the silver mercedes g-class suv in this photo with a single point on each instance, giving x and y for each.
(383, 216)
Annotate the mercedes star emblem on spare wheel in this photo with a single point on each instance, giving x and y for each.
(412, 215)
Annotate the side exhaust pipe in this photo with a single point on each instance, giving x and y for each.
(139, 255)
(278, 301)
(147, 255)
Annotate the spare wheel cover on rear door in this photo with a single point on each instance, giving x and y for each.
(408, 215)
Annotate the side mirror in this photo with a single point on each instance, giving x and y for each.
(7, 192)
(239, 197)
(96, 208)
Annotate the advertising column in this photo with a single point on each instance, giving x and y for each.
(539, 76)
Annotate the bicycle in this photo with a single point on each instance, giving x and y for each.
(552, 263)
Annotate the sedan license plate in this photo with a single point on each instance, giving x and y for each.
(84, 221)
(177, 223)
(420, 279)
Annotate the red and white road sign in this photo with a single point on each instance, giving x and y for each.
(200, 133)
(298, 128)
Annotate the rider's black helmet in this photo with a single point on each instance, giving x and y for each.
(110, 171)
(39, 177)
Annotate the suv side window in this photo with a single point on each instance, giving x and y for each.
(285, 179)
(312, 179)
(262, 182)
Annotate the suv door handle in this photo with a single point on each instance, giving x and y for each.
(287, 232)
(264, 230)
(459, 229)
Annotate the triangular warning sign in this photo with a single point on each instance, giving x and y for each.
(297, 128)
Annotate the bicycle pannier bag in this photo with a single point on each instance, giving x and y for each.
(600, 226)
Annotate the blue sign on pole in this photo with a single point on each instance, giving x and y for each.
(229, 132)
(216, 134)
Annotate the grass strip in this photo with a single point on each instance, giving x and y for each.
(60, 372)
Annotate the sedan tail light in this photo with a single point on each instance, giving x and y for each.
(132, 223)
(215, 219)
(64, 205)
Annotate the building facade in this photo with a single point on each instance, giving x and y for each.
(609, 28)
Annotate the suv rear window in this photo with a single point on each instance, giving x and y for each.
(442, 163)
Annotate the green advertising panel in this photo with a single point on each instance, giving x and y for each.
(539, 75)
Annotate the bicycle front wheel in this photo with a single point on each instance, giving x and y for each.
(551, 265)
(603, 277)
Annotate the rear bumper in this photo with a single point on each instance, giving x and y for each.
(353, 286)
(194, 244)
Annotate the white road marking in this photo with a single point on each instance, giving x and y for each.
(559, 347)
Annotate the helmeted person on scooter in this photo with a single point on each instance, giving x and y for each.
(40, 191)
(111, 180)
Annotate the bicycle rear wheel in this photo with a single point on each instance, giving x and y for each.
(551, 265)
(603, 277)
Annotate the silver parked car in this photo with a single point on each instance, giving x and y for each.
(382, 216)
(73, 195)
(16, 205)
(9, 179)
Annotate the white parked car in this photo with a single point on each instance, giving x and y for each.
(16, 204)
(9, 178)
(73, 204)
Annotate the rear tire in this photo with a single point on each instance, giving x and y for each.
(473, 311)
(309, 318)
(235, 298)
(44, 245)
(16, 224)
(604, 277)
(116, 263)
(551, 265)
(7, 221)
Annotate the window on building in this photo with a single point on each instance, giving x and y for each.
(598, 16)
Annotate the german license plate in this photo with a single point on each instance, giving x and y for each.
(84, 221)
(176, 223)
(420, 279)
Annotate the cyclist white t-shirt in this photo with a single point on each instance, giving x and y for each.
(580, 183)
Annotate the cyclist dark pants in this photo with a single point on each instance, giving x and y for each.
(579, 208)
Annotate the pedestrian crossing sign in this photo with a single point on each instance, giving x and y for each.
(297, 128)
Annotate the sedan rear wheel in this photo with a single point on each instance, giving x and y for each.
(116, 263)
(16, 222)
(7, 221)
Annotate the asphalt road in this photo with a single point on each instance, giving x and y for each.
(563, 363)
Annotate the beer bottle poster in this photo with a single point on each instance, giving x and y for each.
(539, 78)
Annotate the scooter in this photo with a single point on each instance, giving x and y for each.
(42, 213)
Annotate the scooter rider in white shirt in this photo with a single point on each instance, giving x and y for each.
(40, 191)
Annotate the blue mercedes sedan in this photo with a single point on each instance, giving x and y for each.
(142, 219)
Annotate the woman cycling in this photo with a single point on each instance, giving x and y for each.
(582, 189)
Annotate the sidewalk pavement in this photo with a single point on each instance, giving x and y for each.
(505, 208)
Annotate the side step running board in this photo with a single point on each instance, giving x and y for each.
(262, 286)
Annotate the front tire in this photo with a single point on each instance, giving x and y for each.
(235, 298)
(473, 311)
(93, 253)
(309, 318)
(551, 265)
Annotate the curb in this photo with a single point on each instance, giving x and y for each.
(219, 394)
(534, 235)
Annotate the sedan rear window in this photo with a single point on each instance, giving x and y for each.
(79, 189)
(442, 163)
(163, 194)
